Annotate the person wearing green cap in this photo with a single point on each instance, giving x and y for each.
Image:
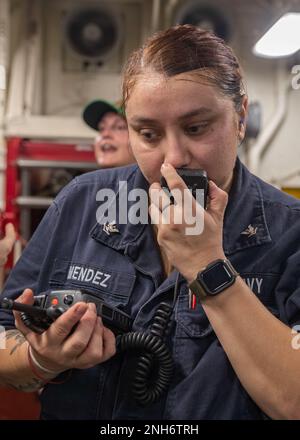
(111, 145)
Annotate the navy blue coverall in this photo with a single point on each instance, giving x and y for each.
(70, 249)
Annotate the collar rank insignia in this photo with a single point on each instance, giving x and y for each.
(110, 228)
(250, 231)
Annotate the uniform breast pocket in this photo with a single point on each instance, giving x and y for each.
(195, 324)
(191, 323)
(111, 285)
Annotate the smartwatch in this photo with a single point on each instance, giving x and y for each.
(216, 277)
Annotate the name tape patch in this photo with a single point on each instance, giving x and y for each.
(92, 276)
(88, 275)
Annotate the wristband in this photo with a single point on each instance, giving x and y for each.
(37, 364)
(33, 363)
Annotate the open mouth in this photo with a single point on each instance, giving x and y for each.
(108, 148)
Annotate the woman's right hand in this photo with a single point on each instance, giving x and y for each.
(59, 349)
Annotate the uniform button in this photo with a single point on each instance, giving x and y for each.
(68, 299)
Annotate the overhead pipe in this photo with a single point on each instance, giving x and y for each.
(4, 50)
(34, 52)
(169, 12)
(155, 19)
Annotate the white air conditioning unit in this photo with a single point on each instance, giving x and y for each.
(93, 37)
(86, 45)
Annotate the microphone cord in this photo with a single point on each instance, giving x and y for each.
(155, 365)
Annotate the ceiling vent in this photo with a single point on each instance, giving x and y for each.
(92, 33)
(205, 16)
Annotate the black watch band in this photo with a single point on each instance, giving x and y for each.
(214, 279)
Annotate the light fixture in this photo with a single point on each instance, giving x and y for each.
(282, 39)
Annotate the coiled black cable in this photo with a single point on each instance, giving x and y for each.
(155, 366)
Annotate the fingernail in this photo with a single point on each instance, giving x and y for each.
(164, 165)
(92, 307)
(79, 309)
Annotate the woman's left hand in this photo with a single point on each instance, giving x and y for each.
(7, 243)
(189, 247)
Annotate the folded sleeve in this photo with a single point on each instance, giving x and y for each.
(26, 273)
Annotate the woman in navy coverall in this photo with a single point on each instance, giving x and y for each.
(236, 355)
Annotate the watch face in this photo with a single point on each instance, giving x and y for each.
(216, 277)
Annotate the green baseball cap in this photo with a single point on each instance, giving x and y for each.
(95, 110)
